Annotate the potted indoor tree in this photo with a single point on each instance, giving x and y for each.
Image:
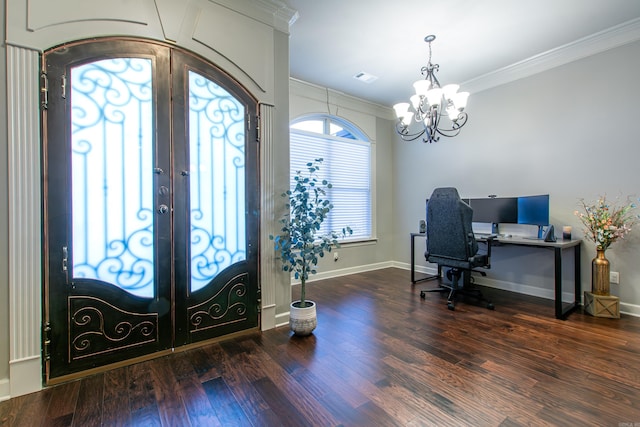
(300, 243)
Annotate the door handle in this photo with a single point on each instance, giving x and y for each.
(163, 209)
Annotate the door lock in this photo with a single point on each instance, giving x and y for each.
(163, 209)
(65, 258)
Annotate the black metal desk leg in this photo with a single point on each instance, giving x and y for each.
(562, 313)
(413, 261)
(558, 281)
(577, 275)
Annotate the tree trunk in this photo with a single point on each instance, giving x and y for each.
(303, 288)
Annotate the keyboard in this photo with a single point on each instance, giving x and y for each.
(484, 236)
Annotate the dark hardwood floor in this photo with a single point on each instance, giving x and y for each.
(381, 356)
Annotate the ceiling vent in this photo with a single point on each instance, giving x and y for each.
(365, 77)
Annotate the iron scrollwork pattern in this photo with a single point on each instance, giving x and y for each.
(228, 305)
(217, 183)
(97, 327)
(112, 173)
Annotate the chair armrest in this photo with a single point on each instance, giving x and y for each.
(489, 239)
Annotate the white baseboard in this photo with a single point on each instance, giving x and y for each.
(499, 284)
(629, 309)
(345, 271)
(267, 317)
(25, 376)
(282, 319)
(4, 389)
(523, 289)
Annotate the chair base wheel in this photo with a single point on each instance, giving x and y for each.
(422, 294)
(490, 306)
(450, 306)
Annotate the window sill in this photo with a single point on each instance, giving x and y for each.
(359, 242)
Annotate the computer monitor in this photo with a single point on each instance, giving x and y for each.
(495, 210)
(534, 210)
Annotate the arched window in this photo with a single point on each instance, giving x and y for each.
(347, 165)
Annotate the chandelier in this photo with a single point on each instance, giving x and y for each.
(430, 104)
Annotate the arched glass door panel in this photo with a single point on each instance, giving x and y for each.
(112, 173)
(217, 184)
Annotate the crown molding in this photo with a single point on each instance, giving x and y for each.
(336, 98)
(274, 13)
(613, 37)
(283, 15)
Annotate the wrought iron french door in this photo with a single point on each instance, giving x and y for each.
(150, 203)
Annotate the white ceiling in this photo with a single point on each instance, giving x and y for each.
(332, 40)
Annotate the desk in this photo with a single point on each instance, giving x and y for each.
(558, 247)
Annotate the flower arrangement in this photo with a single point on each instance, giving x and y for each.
(606, 223)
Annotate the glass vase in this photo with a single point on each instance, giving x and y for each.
(600, 274)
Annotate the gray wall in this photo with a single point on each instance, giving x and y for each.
(570, 132)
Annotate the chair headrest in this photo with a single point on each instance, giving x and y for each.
(445, 193)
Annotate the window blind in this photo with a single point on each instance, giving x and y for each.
(347, 166)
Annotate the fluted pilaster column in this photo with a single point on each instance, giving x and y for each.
(25, 225)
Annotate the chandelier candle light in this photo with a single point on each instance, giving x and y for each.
(430, 103)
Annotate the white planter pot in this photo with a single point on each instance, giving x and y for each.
(303, 321)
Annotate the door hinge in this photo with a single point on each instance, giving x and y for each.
(259, 305)
(46, 336)
(258, 128)
(44, 91)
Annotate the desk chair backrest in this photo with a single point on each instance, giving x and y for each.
(449, 228)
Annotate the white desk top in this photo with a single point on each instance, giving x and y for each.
(523, 241)
(518, 240)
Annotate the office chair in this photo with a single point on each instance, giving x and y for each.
(451, 243)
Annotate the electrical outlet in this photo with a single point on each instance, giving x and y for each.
(614, 277)
(335, 256)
